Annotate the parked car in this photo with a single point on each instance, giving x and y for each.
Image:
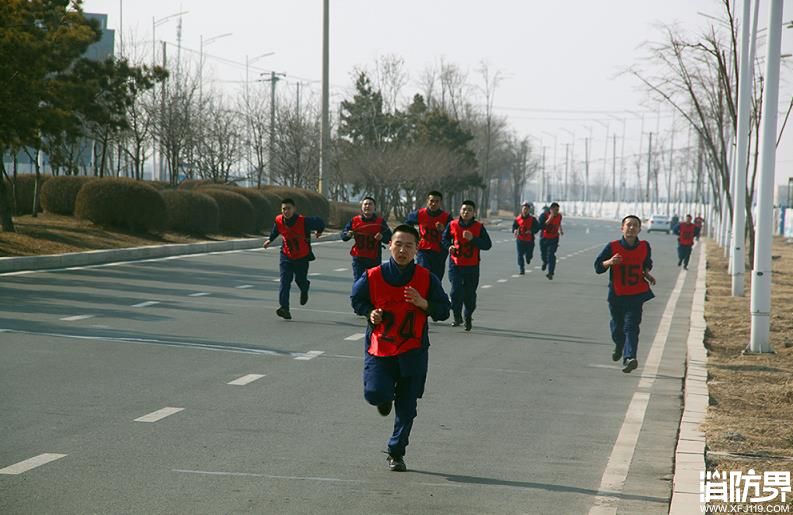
(659, 223)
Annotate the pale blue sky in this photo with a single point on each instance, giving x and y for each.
(560, 59)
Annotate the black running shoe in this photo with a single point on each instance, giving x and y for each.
(458, 321)
(304, 297)
(284, 313)
(544, 266)
(468, 322)
(617, 354)
(629, 364)
(549, 276)
(384, 409)
(396, 463)
(522, 272)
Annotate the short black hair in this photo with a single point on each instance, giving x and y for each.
(408, 229)
(634, 217)
(554, 204)
(369, 198)
(435, 193)
(469, 203)
(287, 201)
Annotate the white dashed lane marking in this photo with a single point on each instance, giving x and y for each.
(160, 414)
(244, 286)
(146, 304)
(76, 318)
(246, 379)
(354, 337)
(199, 294)
(309, 355)
(487, 286)
(31, 463)
(314, 274)
(339, 269)
(502, 280)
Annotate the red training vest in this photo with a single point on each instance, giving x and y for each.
(403, 323)
(366, 246)
(686, 237)
(295, 244)
(552, 225)
(430, 235)
(628, 277)
(467, 253)
(524, 228)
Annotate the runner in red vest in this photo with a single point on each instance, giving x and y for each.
(296, 252)
(699, 222)
(686, 232)
(551, 224)
(465, 238)
(397, 298)
(629, 262)
(524, 227)
(431, 221)
(369, 231)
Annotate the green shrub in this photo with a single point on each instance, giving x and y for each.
(191, 212)
(237, 215)
(265, 212)
(342, 212)
(58, 194)
(122, 202)
(23, 190)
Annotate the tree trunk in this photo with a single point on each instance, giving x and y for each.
(6, 219)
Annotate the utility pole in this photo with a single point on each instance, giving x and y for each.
(614, 168)
(274, 77)
(566, 163)
(649, 166)
(761, 275)
(324, 142)
(162, 113)
(586, 175)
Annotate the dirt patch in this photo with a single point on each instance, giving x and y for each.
(55, 234)
(750, 420)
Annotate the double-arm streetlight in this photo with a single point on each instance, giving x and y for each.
(203, 43)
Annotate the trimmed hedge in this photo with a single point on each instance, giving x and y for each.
(159, 185)
(237, 215)
(309, 203)
(191, 212)
(24, 188)
(265, 212)
(189, 184)
(58, 194)
(342, 212)
(122, 202)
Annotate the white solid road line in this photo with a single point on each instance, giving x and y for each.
(308, 355)
(269, 476)
(76, 317)
(199, 294)
(354, 337)
(613, 480)
(246, 379)
(146, 304)
(36, 461)
(158, 415)
(244, 286)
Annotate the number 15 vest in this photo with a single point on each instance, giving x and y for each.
(628, 277)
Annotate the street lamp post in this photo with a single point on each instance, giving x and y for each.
(203, 43)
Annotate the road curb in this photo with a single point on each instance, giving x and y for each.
(96, 257)
(690, 451)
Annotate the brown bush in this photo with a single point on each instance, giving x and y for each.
(24, 187)
(265, 212)
(342, 212)
(59, 194)
(237, 215)
(122, 202)
(309, 203)
(191, 212)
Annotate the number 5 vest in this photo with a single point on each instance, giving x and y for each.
(403, 323)
(628, 277)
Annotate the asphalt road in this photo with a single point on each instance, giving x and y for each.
(525, 414)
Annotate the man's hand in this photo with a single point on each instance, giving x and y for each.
(468, 235)
(515, 232)
(439, 226)
(649, 277)
(453, 250)
(266, 244)
(616, 259)
(561, 231)
(412, 296)
(376, 316)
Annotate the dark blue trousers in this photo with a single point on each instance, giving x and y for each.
(683, 254)
(360, 265)
(625, 320)
(525, 253)
(384, 381)
(297, 270)
(548, 251)
(435, 262)
(465, 280)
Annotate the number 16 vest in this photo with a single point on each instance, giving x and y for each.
(628, 277)
(403, 323)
